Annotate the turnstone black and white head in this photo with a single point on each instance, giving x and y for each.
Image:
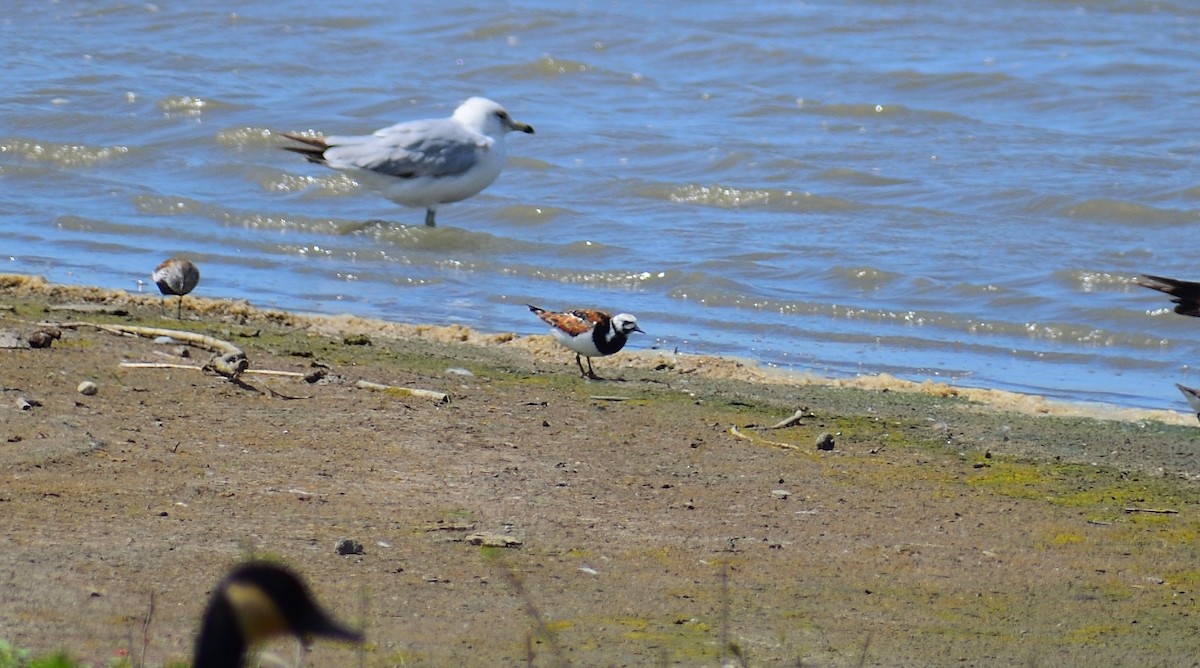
(254, 602)
(1185, 294)
(176, 276)
(422, 163)
(588, 332)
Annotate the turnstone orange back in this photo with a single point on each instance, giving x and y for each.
(588, 332)
(422, 163)
(176, 276)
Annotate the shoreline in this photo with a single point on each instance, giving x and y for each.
(542, 347)
(648, 517)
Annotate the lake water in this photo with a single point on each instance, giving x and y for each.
(962, 191)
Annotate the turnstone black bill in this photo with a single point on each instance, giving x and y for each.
(1185, 294)
(422, 163)
(176, 276)
(588, 332)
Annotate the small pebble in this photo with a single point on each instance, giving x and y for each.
(87, 388)
(459, 371)
(349, 546)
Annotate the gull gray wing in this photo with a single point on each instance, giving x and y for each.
(410, 150)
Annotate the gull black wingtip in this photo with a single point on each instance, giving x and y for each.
(1185, 294)
(313, 149)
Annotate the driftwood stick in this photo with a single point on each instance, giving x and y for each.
(440, 397)
(159, 365)
(193, 367)
(796, 417)
(201, 340)
(733, 431)
(1157, 511)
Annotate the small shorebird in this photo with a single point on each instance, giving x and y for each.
(176, 276)
(588, 332)
(422, 163)
(1186, 294)
(255, 602)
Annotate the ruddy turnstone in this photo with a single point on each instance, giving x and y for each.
(588, 332)
(254, 602)
(1186, 294)
(422, 163)
(176, 276)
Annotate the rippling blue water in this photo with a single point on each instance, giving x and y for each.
(958, 191)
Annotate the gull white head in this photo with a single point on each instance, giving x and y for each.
(488, 117)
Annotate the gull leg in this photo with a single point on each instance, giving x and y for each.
(429, 214)
(179, 309)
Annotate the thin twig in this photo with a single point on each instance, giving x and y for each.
(795, 418)
(201, 340)
(193, 367)
(733, 431)
(146, 631)
(159, 365)
(440, 397)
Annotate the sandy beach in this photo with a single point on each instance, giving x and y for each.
(512, 512)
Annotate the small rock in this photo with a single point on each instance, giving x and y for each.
(825, 441)
(357, 340)
(781, 493)
(486, 539)
(459, 371)
(349, 546)
(315, 375)
(43, 338)
(11, 339)
(87, 388)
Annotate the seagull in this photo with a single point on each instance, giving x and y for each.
(1186, 293)
(588, 332)
(1186, 297)
(176, 276)
(254, 602)
(1193, 398)
(422, 163)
